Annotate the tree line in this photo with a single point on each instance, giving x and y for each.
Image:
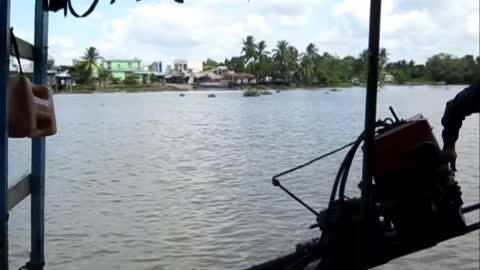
(310, 68)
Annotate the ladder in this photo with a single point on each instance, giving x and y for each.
(34, 183)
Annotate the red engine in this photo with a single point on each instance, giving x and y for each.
(412, 183)
(393, 146)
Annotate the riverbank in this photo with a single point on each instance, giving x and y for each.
(84, 89)
(173, 87)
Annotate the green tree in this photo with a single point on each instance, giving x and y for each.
(249, 51)
(78, 73)
(281, 58)
(292, 58)
(130, 79)
(261, 49)
(104, 77)
(311, 68)
(363, 65)
(401, 76)
(444, 67)
(306, 71)
(264, 66)
(153, 78)
(382, 58)
(326, 70)
(468, 67)
(348, 69)
(476, 74)
(209, 64)
(236, 63)
(311, 51)
(89, 58)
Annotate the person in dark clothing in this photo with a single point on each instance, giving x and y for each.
(464, 104)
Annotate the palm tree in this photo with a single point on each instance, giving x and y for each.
(308, 64)
(286, 58)
(311, 51)
(89, 58)
(280, 56)
(292, 58)
(249, 49)
(263, 63)
(262, 45)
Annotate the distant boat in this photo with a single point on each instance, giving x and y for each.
(182, 95)
(278, 91)
(211, 95)
(213, 84)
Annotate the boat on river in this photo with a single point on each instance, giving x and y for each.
(212, 84)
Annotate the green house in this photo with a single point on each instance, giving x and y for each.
(121, 68)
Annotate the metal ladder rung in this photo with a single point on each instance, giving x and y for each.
(19, 191)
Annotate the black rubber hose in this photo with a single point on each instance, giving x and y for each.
(344, 168)
(349, 159)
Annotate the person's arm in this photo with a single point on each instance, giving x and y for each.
(464, 104)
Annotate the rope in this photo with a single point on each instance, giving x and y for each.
(13, 41)
(313, 160)
(66, 5)
(89, 10)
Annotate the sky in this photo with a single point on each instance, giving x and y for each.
(162, 30)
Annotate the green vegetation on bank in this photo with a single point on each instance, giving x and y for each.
(285, 66)
(310, 68)
(252, 93)
(256, 92)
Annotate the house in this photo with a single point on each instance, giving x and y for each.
(243, 78)
(219, 76)
(355, 81)
(176, 77)
(180, 65)
(122, 68)
(389, 78)
(156, 66)
(64, 81)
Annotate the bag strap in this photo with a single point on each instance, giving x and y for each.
(89, 10)
(13, 41)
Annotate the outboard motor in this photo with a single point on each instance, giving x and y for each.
(414, 203)
(413, 185)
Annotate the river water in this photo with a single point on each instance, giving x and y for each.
(158, 181)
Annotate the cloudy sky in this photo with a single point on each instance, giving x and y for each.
(163, 30)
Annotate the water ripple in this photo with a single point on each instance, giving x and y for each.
(152, 181)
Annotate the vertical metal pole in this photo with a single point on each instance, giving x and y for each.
(4, 74)
(371, 100)
(37, 259)
(370, 116)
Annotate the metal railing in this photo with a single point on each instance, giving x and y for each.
(34, 183)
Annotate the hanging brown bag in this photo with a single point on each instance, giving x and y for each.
(30, 112)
